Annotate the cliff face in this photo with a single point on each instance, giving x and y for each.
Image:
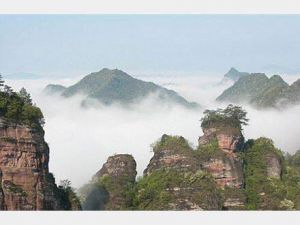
(225, 166)
(118, 166)
(229, 139)
(172, 153)
(26, 183)
(109, 186)
(218, 148)
(183, 183)
(274, 166)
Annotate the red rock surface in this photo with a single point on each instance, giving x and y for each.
(25, 180)
(229, 140)
(227, 171)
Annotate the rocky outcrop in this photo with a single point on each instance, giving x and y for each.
(121, 165)
(225, 166)
(108, 187)
(227, 171)
(184, 183)
(274, 166)
(223, 162)
(229, 139)
(26, 183)
(172, 153)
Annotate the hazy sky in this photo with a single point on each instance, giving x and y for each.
(66, 45)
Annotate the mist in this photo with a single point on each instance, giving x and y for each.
(81, 139)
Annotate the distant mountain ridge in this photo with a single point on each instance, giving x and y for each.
(115, 86)
(262, 92)
(54, 89)
(234, 75)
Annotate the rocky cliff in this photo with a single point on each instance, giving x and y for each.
(183, 185)
(109, 186)
(26, 183)
(24, 165)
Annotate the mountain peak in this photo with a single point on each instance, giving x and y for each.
(278, 79)
(234, 74)
(110, 86)
(233, 70)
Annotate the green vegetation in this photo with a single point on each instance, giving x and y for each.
(161, 189)
(18, 108)
(115, 86)
(15, 189)
(263, 192)
(262, 92)
(208, 151)
(68, 195)
(95, 195)
(171, 142)
(232, 116)
(292, 178)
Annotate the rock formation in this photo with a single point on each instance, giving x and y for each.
(107, 190)
(274, 166)
(225, 166)
(223, 173)
(26, 183)
(172, 153)
(183, 182)
(229, 139)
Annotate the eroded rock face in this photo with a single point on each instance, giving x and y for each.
(116, 174)
(227, 171)
(170, 159)
(118, 166)
(225, 165)
(26, 183)
(195, 191)
(274, 166)
(229, 139)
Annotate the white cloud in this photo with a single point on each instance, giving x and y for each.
(80, 139)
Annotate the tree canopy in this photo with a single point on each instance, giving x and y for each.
(17, 107)
(232, 115)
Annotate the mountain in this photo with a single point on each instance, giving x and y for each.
(262, 92)
(224, 172)
(233, 74)
(54, 89)
(115, 86)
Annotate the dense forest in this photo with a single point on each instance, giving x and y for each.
(17, 107)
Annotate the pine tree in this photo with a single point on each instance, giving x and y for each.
(1, 82)
(8, 90)
(25, 96)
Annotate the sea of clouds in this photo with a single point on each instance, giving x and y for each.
(81, 139)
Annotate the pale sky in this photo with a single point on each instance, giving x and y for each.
(65, 45)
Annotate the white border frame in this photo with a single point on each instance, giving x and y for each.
(150, 6)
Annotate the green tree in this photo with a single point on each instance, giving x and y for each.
(232, 115)
(25, 96)
(1, 82)
(8, 90)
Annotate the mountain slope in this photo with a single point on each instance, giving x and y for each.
(54, 89)
(115, 86)
(263, 92)
(233, 74)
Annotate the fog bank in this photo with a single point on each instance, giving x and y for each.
(80, 139)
